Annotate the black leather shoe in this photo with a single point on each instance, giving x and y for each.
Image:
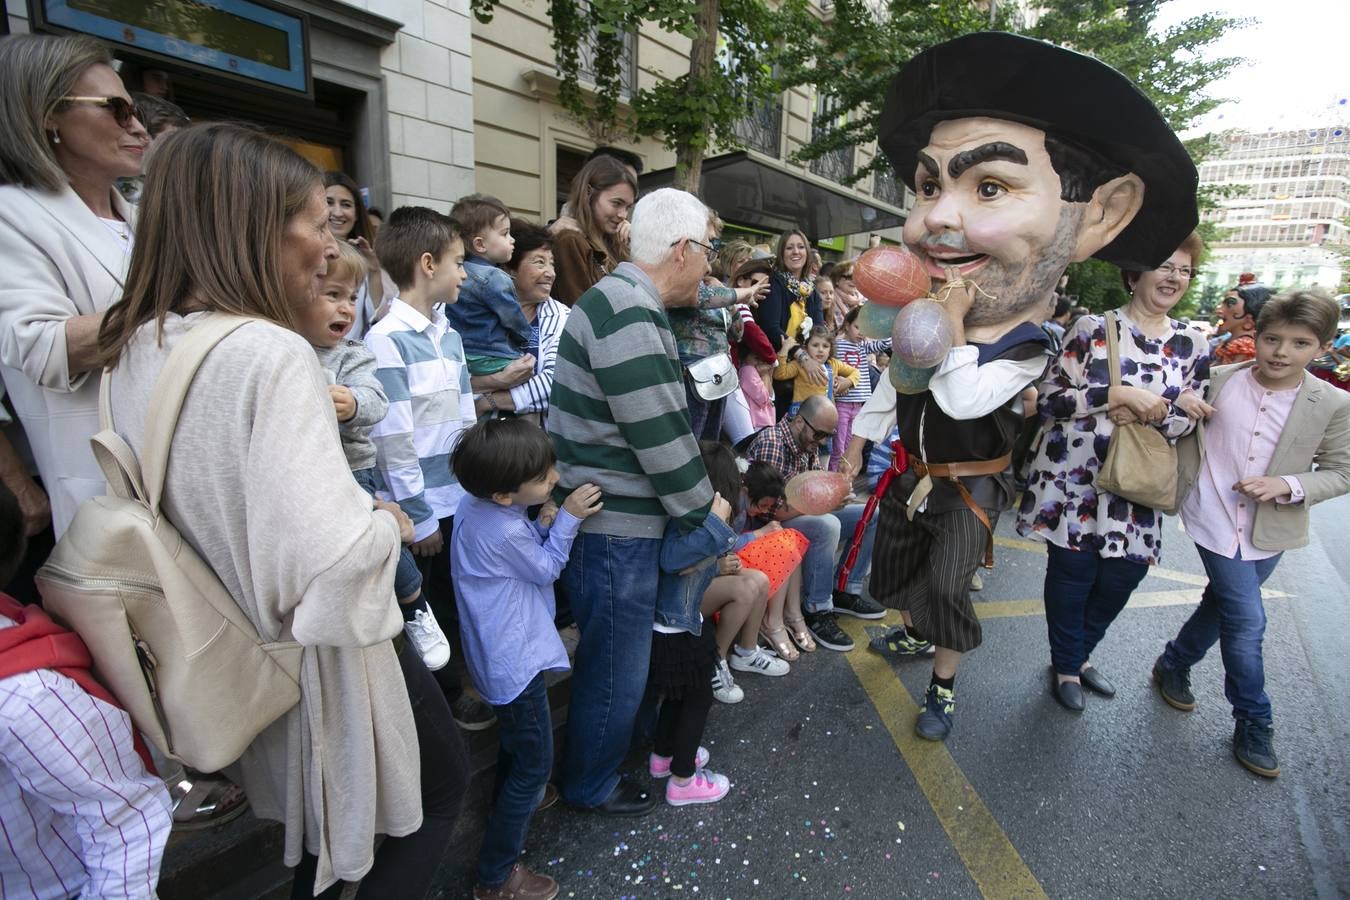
(1068, 693)
(1097, 682)
(627, 800)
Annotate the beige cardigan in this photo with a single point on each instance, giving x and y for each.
(59, 261)
(258, 484)
(1318, 430)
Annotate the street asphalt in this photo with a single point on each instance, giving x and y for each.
(833, 795)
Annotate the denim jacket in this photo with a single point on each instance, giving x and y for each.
(688, 564)
(487, 314)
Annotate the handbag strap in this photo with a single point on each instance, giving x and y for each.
(1113, 347)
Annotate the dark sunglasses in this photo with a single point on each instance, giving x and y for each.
(122, 109)
(820, 435)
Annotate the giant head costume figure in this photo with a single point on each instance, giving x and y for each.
(1025, 157)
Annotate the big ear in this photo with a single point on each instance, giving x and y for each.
(1113, 207)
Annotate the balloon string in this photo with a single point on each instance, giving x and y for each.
(946, 289)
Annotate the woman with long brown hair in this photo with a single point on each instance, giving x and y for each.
(237, 223)
(349, 221)
(602, 196)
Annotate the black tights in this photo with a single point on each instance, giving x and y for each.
(405, 866)
(679, 727)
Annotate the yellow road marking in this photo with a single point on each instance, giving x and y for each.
(1002, 609)
(1170, 574)
(993, 862)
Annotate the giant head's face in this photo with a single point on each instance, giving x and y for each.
(988, 203)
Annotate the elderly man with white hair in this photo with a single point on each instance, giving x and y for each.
(618, 419)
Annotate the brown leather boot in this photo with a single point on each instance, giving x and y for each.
(521, 884)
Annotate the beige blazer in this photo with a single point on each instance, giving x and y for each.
(59, 261)
(1317, 432)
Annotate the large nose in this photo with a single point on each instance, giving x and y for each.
(944, 215)
(330, 245)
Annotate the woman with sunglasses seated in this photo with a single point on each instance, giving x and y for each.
(70, 132)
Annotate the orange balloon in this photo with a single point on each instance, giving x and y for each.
(815, 493)
(891, 276)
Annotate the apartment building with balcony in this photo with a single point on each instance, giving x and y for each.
(1289, 205)
(527, 147)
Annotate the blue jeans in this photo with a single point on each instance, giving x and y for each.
(1230, 612)
(612, 582)
(407, 577)
(1084, 592)
(830, 536)
(524, 760)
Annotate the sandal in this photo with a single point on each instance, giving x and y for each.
(801, 635)
(777, 639)
(206, 801)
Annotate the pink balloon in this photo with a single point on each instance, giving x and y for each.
(891, 276)
(815, 493)
(922, 335)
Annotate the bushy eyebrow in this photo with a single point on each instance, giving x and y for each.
(929, 163)
(1000, 150)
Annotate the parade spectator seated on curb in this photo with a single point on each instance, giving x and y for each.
(81, 808)
(793, 446)
(618, 419)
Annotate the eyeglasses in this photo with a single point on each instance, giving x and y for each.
(1184, 271)
(819, 435)
(709, 250)
(122, 109)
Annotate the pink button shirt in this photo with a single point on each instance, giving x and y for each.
(1240, 440)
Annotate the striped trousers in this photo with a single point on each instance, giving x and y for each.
(925, 567)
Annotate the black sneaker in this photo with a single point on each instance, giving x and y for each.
(1254, 747)
(847, 604)
(898, 641)
(935, 716)
(472, 714)
(827, 632)
(1174, 685)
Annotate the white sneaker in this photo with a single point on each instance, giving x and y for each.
(427, 639)
(758, 661)
(725, 689)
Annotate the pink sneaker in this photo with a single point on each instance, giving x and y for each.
(659, 766)
(704, 787)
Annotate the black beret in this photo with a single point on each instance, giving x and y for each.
(1074, 97)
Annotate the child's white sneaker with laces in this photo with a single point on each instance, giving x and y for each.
(759, 661)
(425, 634)
(704, 787)
(725, 688)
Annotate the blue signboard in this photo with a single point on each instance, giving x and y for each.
(238, 38)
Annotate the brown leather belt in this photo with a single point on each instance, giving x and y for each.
(952, 473)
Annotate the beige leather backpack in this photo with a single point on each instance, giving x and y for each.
(166, 637)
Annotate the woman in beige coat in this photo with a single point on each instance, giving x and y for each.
(235, 222)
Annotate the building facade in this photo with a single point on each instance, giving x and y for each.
(1290, 198)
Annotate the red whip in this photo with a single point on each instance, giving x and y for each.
(899, 463)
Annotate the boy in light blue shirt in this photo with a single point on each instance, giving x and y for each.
(504, 567)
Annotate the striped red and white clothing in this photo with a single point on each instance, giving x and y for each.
(79, 813)
(855, 353)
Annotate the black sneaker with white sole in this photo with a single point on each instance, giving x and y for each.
(846, 604)
(827, 632)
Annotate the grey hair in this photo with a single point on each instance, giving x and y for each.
(36, 71)
(661, 219)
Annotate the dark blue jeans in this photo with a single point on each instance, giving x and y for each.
(612, 582)
(1230, 612)
(1084, 592)
(524, 761)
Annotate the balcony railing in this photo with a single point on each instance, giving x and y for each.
(762, 128)
(835, 165)
(887, 189)
(586, 63)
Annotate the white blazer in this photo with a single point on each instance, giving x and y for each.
(59, 261)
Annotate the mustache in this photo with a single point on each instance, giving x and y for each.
(947, 240)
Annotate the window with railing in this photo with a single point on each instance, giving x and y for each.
(888, 189)
(587, 56)
(761, 128)
(837, 164)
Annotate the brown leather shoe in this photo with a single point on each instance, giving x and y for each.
(521, 884)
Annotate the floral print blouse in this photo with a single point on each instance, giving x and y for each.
(1061, 504)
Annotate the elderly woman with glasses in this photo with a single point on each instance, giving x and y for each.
(70, 132)
(1100, 546)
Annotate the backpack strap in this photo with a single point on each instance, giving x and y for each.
(171, 388)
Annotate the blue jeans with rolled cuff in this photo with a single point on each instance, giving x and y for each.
(1084, 592)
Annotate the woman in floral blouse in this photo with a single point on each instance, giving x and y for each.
(1099, 545)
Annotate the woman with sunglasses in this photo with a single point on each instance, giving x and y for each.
(65, 234)
(1100, 546)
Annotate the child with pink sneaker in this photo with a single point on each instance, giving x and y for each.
(684, 656)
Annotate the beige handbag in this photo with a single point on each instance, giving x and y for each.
(166, 636)
(1141, 464)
